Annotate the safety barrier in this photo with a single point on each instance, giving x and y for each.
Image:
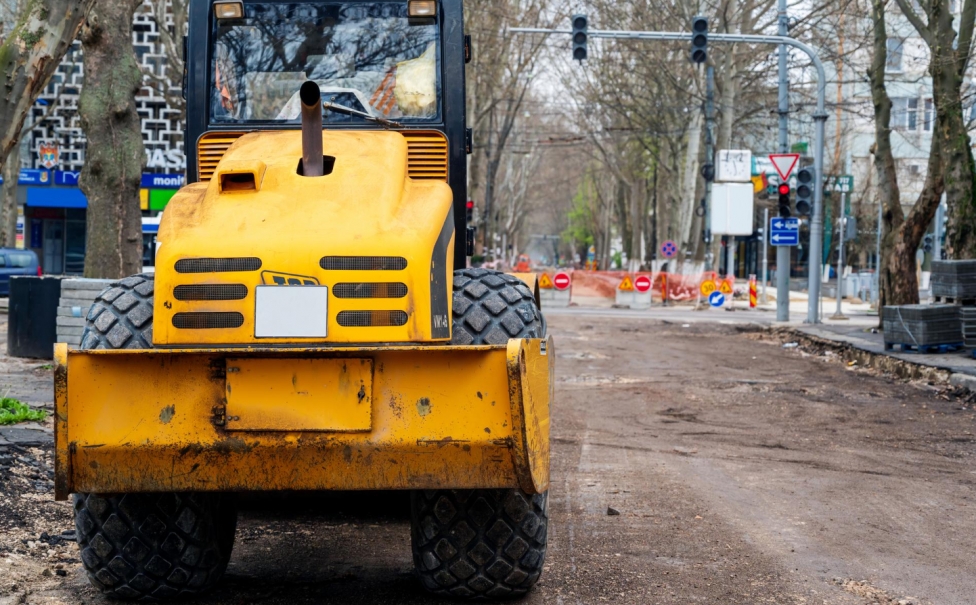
(636, 290)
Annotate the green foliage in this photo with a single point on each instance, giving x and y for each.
(13, 411)
(581, 217)
(617, 260)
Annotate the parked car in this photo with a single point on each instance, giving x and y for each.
(14, 261)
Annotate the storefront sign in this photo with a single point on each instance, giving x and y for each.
(162, 181)
(66, 177)
(168, 158)
(34, 177)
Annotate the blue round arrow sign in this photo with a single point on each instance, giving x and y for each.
(716, 299)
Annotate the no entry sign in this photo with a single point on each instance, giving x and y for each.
(561, 280)
(642, 283)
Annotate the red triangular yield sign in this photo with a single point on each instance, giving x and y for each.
(784, 163)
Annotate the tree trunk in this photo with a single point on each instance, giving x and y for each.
(29, 55)
(899, 270)
(889, 196)
(114, 155)
(958, 164)
(8, 205)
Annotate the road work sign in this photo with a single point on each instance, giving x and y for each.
(561, 280)
(716, 299)
(784, 231)
(642, 283)
(707, 287)
(726, 287)
(627, 285)
(784, 163)
(545, 282)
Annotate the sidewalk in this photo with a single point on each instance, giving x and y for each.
(861, 332)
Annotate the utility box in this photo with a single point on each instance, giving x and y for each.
(32, 319)
(732, 209)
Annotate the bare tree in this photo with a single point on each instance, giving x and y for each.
(949, 56)
(900, 235)
(29, 53)
(114, 158)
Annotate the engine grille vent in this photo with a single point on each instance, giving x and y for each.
(363, 263)
(210, 292)
(210, 148)
(371, 319)
(206, 321)
(426, 154)
(370, 290)
(217, 265)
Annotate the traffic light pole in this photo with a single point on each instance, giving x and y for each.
(783, 253)
(819, 116)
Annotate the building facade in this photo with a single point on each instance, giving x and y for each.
(52, 152)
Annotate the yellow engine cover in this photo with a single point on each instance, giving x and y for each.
(261, 255)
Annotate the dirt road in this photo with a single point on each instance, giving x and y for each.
(693, 464)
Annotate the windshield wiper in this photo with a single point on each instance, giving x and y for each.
(349, 111)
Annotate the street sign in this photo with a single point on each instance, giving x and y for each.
(734, 165)
(561, 280)
(784, 163)
(716, 299)
(784, 231)
(669, 249)
(707, 287)
(843, 183)
(545, 282)
(725, 287)
(642, 283)
(626, 285)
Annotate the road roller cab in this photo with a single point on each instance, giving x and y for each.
(311, 324)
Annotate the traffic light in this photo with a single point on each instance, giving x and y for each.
(784, 200)
(804, 190)
(928, 243)
(699, 40)
(469, 212)
(579, 37)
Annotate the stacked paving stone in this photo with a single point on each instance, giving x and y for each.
(917, 327)
(77, 296)
(954, 281)
(967, 317)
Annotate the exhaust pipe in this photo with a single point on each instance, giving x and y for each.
(312, 160)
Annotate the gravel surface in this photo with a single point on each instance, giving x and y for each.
(698, 464)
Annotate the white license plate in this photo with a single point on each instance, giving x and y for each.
(291, 311)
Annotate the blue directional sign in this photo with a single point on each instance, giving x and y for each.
(716, 299)
(784, 231)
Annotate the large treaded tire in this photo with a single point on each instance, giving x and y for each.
(491, 307)
(121, 315)
(479, 543)
(155, 546)
(147, 546)
(483, 543)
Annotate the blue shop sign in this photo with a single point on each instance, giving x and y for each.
(34, 177)
(67, 178)
(162, 181)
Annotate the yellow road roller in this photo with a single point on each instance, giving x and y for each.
(311, 323)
